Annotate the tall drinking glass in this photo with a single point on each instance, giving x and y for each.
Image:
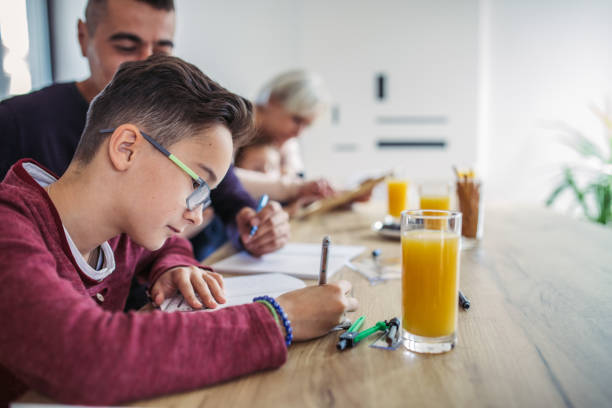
(435, 195)
(431, 241)
(397, 192)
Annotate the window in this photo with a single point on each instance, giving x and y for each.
(25, 62)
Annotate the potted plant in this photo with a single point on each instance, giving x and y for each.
(593, 190)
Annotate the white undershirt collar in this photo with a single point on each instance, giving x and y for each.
(106, 259)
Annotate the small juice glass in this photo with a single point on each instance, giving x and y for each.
(397, 191)
(431, 247)
(435, 196)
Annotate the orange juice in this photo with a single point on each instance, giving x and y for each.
(397, 193)
(433, 202)
(430, 274)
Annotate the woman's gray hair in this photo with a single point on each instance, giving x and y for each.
(300, 92)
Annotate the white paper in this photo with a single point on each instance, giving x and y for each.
(242, 289)
(301, 260)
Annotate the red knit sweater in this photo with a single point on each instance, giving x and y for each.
(58, 338)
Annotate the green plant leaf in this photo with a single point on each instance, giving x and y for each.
(602, 192)
(553, 196)
(595, 198)
(607, 120)
(569, 178)
(582, 145)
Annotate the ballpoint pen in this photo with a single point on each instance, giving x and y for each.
(263, 201)
(324, 257)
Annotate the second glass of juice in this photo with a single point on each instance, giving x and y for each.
(435, 196)
(397, 196)
(430, 279)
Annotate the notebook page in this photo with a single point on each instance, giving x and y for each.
(296, 259)
(242, 289)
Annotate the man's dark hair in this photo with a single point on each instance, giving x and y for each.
(168, 99)
(96, 10)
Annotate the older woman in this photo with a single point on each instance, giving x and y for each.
(284, 107)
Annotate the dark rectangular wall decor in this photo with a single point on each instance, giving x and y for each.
(411, 144)
(381, 86)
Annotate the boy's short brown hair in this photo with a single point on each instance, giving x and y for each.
(169, 99)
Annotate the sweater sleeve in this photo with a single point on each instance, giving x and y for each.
(230, 197)
(176, 251)
(58, 341)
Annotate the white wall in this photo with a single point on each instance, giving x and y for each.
(548, 60)
(429, 53)
(69, 64)
(509, 69)
(240, 44)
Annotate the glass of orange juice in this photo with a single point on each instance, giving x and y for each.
(431, 241)
(435, 195)
(397, 191)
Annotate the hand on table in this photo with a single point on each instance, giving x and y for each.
(316, 188)
(189, 280)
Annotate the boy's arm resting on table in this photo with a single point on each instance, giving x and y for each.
(57, 340)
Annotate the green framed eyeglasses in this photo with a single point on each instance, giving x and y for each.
(201, 195)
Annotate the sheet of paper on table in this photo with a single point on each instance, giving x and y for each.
(296, 259)
(242, 289)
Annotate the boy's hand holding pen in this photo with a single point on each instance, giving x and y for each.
(316, 309)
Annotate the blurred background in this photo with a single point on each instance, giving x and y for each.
(417, 85)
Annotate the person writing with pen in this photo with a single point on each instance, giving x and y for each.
(158, 139)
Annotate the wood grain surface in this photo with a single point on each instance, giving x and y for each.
(538, 333)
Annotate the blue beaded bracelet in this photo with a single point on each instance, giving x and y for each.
(281, 313)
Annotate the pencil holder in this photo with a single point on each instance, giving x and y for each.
(469, 196)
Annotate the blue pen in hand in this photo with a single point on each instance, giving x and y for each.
(263, 201)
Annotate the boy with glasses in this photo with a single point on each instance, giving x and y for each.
(142, 173)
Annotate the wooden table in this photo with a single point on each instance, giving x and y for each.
(539, 331)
